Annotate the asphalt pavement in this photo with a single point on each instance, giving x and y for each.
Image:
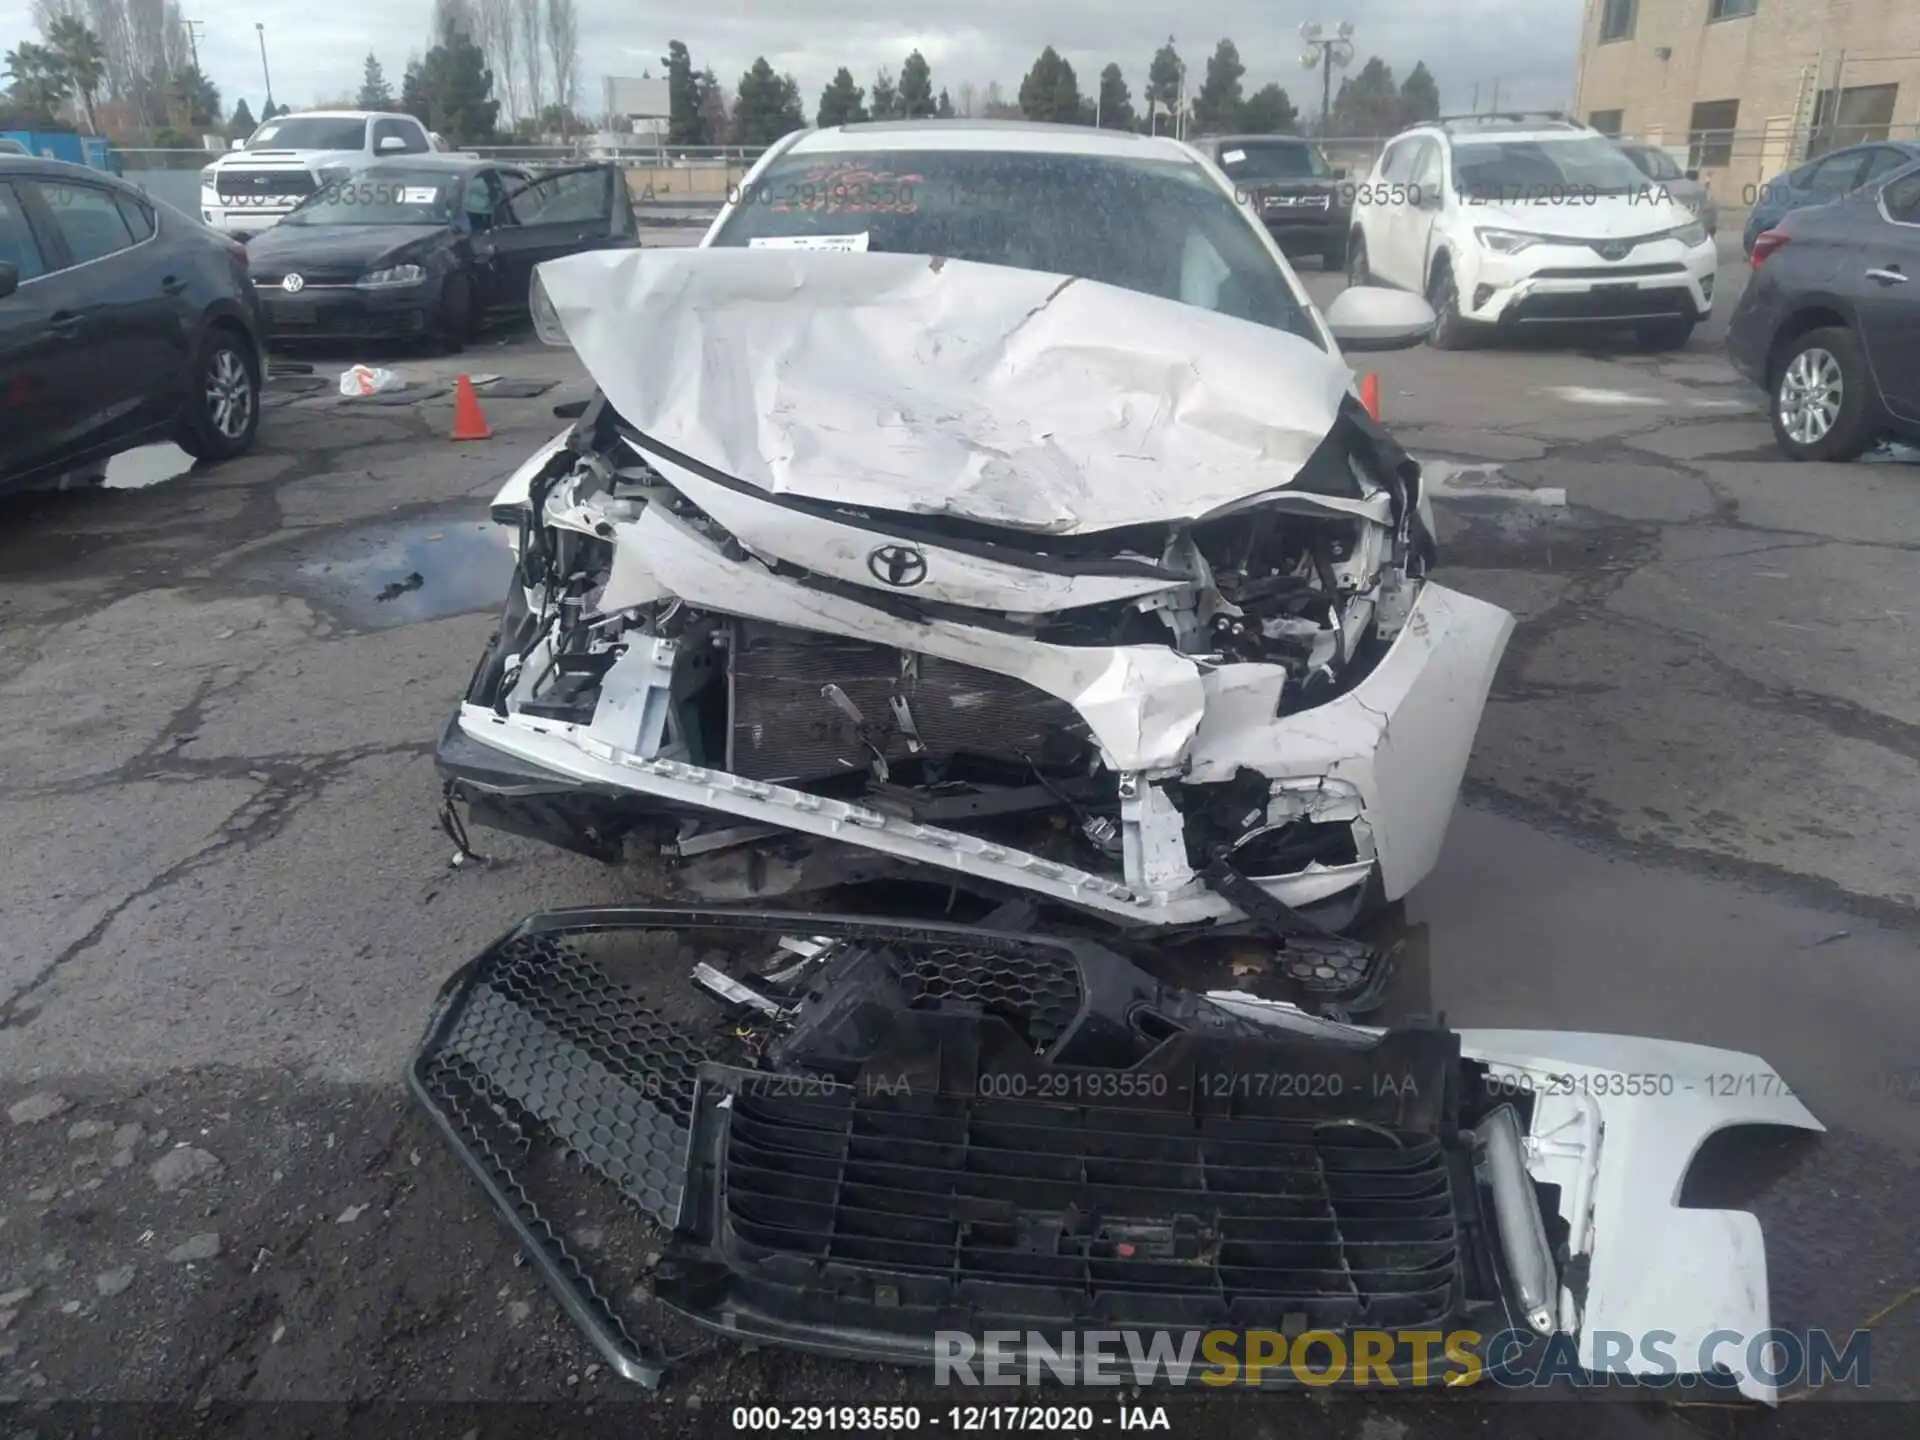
(1690, 813)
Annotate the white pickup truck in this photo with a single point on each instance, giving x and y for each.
(291, 156)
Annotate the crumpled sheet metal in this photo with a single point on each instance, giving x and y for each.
(943, 387)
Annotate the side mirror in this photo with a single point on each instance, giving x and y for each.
(238, 145)
(1693, 174)
(9, 278)
(1339, 172)
(1370, 317)
(388, 143)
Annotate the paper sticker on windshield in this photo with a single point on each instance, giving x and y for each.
(809, 242)
(1233, 157)
(419, 195)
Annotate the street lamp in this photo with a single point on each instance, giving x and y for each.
(264, 74)
(1323, 52)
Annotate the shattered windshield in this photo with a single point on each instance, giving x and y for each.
(310, 132)
(1530, 169)
(382, 197)
(1245, 160)
(1158, 227)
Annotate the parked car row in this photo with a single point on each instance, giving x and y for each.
(124, 322)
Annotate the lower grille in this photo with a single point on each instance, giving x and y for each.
(1609, 272)
(243, 185)
(784, 729)
(1121, 1216)
(1600, 303)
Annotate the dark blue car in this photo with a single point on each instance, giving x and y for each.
(1824, 178)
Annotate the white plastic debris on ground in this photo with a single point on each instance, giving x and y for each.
(943, 387)
(370, 380)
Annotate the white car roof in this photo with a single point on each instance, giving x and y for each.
(1497, 135)
(988, 135)
(343, 115)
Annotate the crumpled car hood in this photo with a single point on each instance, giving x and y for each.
(1009, 397)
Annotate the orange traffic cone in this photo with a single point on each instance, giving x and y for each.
(1370, 394)
(468, 422)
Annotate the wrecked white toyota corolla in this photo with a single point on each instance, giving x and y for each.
(865, 561)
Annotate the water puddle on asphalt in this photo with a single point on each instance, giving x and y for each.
(398, 573)
(148, 465)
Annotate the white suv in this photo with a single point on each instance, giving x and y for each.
(291, 156)
(1512, 220)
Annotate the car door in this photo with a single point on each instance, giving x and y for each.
(112, 304)
(1384, 221)
(488, 218)
(1427, 200)
(1403, 225)
(42, 395)
(561, 213)
(1886, 292)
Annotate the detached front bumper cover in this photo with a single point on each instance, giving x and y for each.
(899, 1128)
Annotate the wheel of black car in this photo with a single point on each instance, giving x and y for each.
(1450, 331)
(222, 411)
(1819, 397)
(1357, 271)
(453, 326)
(1666, 334)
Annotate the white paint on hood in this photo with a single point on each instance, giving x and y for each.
(942, 387)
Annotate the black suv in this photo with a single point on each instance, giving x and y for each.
(1303, 201)
(122, 322)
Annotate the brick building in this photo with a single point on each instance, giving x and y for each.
(1750, 87)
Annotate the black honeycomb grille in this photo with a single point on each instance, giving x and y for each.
(1040, 989)
(542, 1031)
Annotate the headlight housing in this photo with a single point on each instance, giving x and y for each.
(392, 275)
(1507, 242)
(1690, 235)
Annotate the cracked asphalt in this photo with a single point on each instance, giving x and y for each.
(1691, 812)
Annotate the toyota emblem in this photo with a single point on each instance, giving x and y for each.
(900, 565)
(293, 284)
(1613, 250)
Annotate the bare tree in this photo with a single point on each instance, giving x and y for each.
(966, 99)
(563, 49)
(498, 39)
(532, 56)
(454, 15)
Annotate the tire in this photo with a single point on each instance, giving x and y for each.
(453, 327)
(1334, 256)
(1450, 331)
(222, 412)
(1820, 363)
(1666, 334)
(1358, 271)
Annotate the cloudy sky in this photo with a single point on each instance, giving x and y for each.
(316, 51)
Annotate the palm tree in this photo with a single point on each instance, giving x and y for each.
(40, 81)
(82, 56)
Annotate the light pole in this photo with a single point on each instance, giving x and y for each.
(264, 73)
(1323, 52)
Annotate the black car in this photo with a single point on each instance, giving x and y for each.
(1829, 325)
(122, 322)
(1304, 201)
(430, 247)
